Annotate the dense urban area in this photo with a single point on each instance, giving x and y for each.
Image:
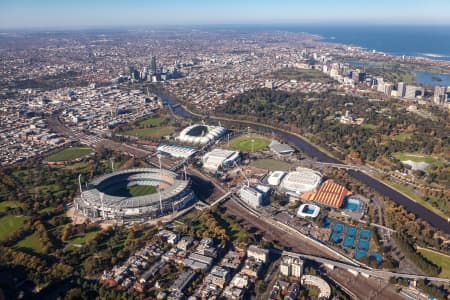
(220, 164)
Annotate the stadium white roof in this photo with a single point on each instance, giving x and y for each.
(218, 157)
(301, 181)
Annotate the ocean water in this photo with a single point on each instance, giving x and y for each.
(425, 41)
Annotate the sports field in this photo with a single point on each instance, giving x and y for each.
(245, 144)
(150, 127)
(270, 164)
(135, 191)
(9, 224)
(438, 259)
(69, 154)
(154, 132)
(414, 157)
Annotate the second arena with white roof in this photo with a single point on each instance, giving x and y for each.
(301, 181)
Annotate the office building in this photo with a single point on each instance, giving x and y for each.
(251, 196)
(257, 253)
(440, 95)
(153, 67)
(413, 91)
(401, 88)
(380, 84)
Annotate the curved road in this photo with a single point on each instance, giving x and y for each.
(412, 206)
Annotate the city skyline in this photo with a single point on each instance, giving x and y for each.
(85, 14)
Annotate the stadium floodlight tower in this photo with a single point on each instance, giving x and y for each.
(102, 201)
(242, 172)
(79, 183)
(159, 188)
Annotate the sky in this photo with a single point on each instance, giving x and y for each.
(106, 13)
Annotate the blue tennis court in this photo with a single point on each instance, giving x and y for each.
(377, 256)
(348, 242)
(360, 254)
(338, 227)
(351, 232)
(363, 245)
(336, 237)
(364, 234)
(326, 222)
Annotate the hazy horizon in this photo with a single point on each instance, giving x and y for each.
(84, 14)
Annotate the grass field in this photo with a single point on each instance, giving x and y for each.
(270, 164)
(69, 154)
(414, 157)
(150, 127)
(9, 204)
(401, 137)
(301, 75)
(9, 224)
(245, 144)
(135, 191)
(150, 122)
(438, 259)
(154, 132)
(368, 126)
(83, 239)
(30, 243)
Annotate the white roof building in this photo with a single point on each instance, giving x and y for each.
(176, 151)
(308, 210)
(201, 134)
(218, 158)
(275, 178)
(258, 253)
(301, 181)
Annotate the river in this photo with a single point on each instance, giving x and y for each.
(412, 206)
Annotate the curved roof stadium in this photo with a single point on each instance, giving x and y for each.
(102, 200)
(300, 181)
(201, 134)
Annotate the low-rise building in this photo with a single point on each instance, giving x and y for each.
(281, 149)
(322, 285)
(219, 159)
(252, 267)
(182, 281)
(258, 253)
(233, 293)
(218, 276)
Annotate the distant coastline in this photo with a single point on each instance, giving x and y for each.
(427, 41)
(432, 42)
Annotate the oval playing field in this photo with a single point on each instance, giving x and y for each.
(245, 143)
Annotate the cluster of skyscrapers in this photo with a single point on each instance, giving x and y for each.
(153, 73)
(400, 90)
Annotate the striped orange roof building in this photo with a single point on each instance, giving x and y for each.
(331, 194)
